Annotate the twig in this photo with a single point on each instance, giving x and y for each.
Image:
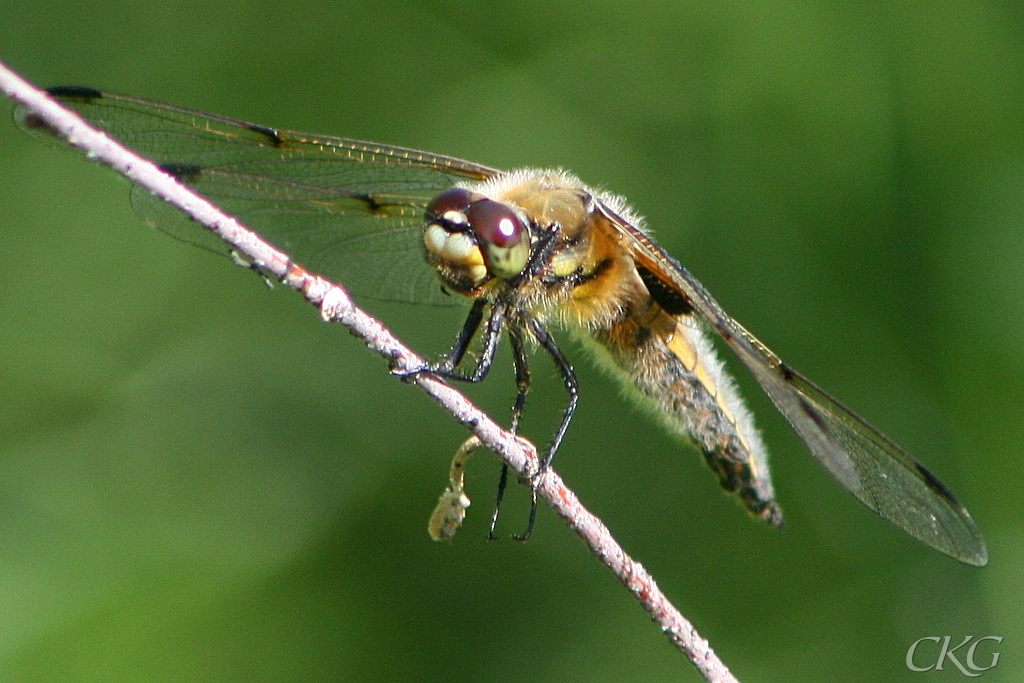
(336, 306)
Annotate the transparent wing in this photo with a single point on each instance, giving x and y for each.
(351, 210)
(867, 464)
(346, 209)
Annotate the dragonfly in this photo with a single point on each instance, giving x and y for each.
(528, 251)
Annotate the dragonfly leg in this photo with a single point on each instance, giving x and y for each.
(448, 367)
(547, 342)
(522, 368)
(451, 360)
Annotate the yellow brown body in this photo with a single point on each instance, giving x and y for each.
(589, 281)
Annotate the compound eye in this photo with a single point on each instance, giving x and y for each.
(450, 205)
(501, 235)
(494, 223)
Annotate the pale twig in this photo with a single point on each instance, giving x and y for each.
(336, 306)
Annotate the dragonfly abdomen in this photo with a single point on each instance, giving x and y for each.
(673, 366)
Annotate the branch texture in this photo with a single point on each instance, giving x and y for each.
(336, 306)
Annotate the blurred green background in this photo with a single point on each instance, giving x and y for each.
(199, 481)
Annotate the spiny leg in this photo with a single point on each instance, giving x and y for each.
(451, 360)
(492, 335)
(547, 342)
(522, 368)
(447, 368)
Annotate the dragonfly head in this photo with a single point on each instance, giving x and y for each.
(471, 239)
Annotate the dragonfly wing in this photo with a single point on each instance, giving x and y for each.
(346, 209)
(866, 463)
(377, 256)
(870, 466)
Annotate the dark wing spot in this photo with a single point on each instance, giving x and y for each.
(671, 301)
(185, 173)
(815, 416)
(33, 121)
(374, 205)
(272, 136)
(936, 485)
(75, 92)
(371, 202)
(787, 372)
